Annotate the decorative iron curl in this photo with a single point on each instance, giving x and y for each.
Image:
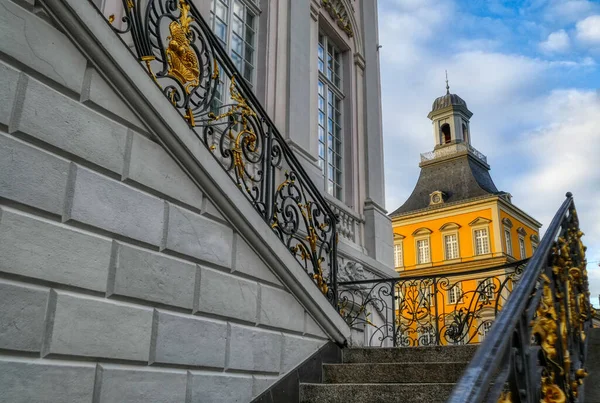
(183, 56)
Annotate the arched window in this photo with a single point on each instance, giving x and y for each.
(446, 137)
(465, 132)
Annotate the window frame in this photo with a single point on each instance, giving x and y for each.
(336, 146)
(522, 248)
(453, 296)
(398, 254)
(426, 239)
(485, 329)
(249, 6)
(508, 241)
(487, 233)
(444, 238)
(490, 291)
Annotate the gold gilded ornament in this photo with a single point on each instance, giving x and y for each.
(182, 60)
(505, 397)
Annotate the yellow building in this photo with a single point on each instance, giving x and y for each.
(456, 222)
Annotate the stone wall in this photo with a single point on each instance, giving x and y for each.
(120, 281)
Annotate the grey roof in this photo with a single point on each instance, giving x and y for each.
(446, 101)
(460, 178)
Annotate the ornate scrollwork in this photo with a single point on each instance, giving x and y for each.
(337, 10)
(182, 60)
(183, 56)
(419, 309)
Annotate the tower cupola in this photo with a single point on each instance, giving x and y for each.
(450, 117)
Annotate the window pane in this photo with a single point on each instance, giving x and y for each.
(330, 115)
(236, 44)
(238, 8)
(250, 18)
(248, 70)
(237, 60)
(237, 26)
(220, 30)
(221, 11)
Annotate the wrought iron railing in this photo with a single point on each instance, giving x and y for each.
(183, 56)
(536, 349)
(451, 150)
(449, 309)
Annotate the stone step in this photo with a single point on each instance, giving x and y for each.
(411, 372)
(375, 393)
(409, 354)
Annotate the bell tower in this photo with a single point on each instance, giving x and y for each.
(450, 117)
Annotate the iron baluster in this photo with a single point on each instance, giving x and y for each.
(436, 315)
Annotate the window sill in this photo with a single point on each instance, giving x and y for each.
(486, 256)
(450, 261)
(423, 265)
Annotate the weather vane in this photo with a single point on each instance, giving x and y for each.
(447, 85)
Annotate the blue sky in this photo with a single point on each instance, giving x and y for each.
(530, 73)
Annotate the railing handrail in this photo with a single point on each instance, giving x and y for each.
(475, 381)
(249, 93)
(445, 275)
(458, 147)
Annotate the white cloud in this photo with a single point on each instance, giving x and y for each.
(567, 11)
(588, 30)
(557, 42)
(563, 153)
(540, 143)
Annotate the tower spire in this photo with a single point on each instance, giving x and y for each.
(447, 85)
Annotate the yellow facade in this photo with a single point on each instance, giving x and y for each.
(462, 220)
(495, 216)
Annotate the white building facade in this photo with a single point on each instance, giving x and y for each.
(314, 66)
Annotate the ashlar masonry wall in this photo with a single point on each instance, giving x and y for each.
(120, 281)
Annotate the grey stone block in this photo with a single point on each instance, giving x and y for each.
(296, 349)
(254, 349)
(311, 327)
(22, 316)
(8, 83)
(96, 90)
(279, 308)
(227, 295)
(141, 386)
(31, 176)
(151, 166)
(42, 382)
(53, 252)
(153, 277)
(248, 262)
(193, 235)
(262, 383)
(94, 327)
(64, 123)
(115, 207)
(188, 340)
(220, 388)
(210, 210)
(40, 46)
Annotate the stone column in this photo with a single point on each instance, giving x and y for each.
(300, 127)
(378, 227)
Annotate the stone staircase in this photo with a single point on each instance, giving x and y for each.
(414, 374)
